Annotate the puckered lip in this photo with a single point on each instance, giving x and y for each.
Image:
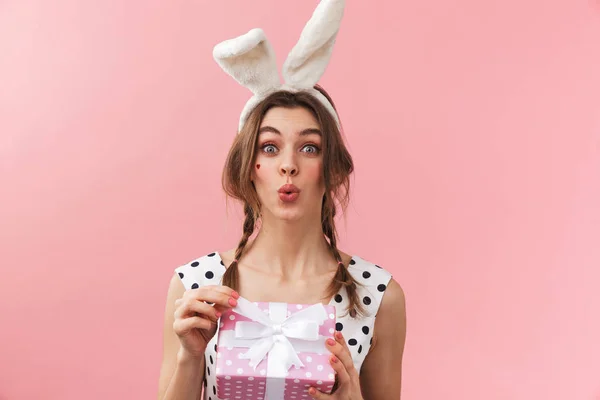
(289, 188)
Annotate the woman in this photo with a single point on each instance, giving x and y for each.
(288, 165)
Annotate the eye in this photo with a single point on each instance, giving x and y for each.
(268, 148)
(313, 149)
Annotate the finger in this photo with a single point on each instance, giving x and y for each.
(343, 374)
(341, 351)
(218, 309)
(194, 307)
(218, 288)
(227, 291)
(183, 325)
(339, 337)
(316, 394)
(348, 362)
(210, 294)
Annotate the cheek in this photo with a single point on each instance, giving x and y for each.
(314, 172)
(263, 171)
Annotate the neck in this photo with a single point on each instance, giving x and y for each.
(290, 249)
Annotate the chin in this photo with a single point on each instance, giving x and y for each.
(288, 215)
(287, 212)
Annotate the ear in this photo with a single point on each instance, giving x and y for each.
(308, 60)
(250, 60)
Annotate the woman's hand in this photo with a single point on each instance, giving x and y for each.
(196, 320)
(348, 385)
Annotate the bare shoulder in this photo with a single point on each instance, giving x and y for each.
(381, 374)
(394, 300)
(176, 288)
(391, 317)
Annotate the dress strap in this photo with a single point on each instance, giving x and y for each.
(373, 281)
(203, 271)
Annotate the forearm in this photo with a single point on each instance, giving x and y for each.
(186, 382)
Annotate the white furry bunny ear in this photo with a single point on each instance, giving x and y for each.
(308, 60)
(250, 60)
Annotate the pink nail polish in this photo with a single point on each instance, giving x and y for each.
(232, 302)
(330, 342)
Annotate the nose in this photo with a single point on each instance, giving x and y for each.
(289, 169)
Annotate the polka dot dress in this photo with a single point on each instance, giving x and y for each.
(208, 270)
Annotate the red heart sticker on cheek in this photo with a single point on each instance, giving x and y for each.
(257, 166)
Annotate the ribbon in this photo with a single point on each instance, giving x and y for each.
(277, 336)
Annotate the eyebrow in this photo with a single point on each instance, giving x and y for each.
(304, 132)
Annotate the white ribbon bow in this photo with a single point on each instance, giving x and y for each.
(278, 331)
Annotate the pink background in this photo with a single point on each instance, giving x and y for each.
(475, 127)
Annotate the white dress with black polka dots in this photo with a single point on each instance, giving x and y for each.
(358, 332)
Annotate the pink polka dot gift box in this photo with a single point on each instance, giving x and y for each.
(274, 351)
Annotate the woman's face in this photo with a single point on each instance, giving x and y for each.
(289, 152)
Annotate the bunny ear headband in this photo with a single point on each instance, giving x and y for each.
(250, 59)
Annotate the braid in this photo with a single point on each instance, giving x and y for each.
(342, 277)
(231, 277)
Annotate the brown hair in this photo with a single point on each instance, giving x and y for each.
(337, 167)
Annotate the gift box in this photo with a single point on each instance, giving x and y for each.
(274, 351)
